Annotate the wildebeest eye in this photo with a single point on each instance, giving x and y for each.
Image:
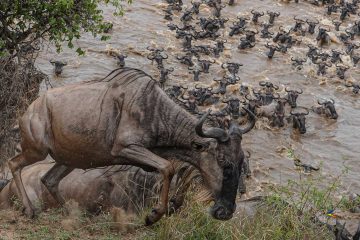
(199, 146)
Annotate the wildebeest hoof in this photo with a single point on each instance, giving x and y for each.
(175, 203)
(153, 217)
(29, 212)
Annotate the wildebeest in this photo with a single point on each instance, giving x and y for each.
(326, 108)
(355, 87)
(298, 62)
(292, 96)
(340, 71)
(272, 49)
(275, 112)
(323, 36)
(256, 16)
(272, 16)
(120, 120)
(312, 25)
(164, 73)
(298, 119)
(59, 65)
(205, 65)
(97, 190)
(121, 59)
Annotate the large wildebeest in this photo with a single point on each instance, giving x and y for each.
(120, 120)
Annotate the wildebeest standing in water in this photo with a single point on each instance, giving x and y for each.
(119, 120)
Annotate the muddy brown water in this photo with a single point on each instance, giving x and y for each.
(331, 144)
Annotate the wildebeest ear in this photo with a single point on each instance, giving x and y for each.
(199, 146)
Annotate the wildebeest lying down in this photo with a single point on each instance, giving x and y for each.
(120, 120)
(95, 190)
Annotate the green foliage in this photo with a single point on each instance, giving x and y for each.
(24, 21)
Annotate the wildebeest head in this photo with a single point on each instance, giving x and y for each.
(256, 16)
(195, 7)
(233, 107)
(272, 50)
(323, 36)
(298, 24)
(223, 83)
(340, 71)
(272, 16)
(245, 43)
(279, 113)
(312, 25)
(121, 59)
(253, 103)
(335, 57)
(337, 25)
(298, 62)
(250, 35)
(292, 96)
(329, 108)
(205, 65)
(58, 66)
(222, 160)
(299, 119)
(355, 87)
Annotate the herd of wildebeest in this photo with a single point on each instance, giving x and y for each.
(136, 133)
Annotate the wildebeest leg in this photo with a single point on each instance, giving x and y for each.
(142, 156)
(184, 180)
(52, 178)
(242, 185)
(16, 164)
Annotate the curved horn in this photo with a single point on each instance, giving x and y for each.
(348, 85)
(298, 19)
(319, 102)
(300, 92)
(262, 83)
(217, 133)
(255, 91)
(276, 87)
(278, 96)
(251, 124)
(253, 11)
(332, 100)
(212, 61)
(223, 65)
(286, 90)
(166, 56)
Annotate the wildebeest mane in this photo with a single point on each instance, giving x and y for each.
(122, 76)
